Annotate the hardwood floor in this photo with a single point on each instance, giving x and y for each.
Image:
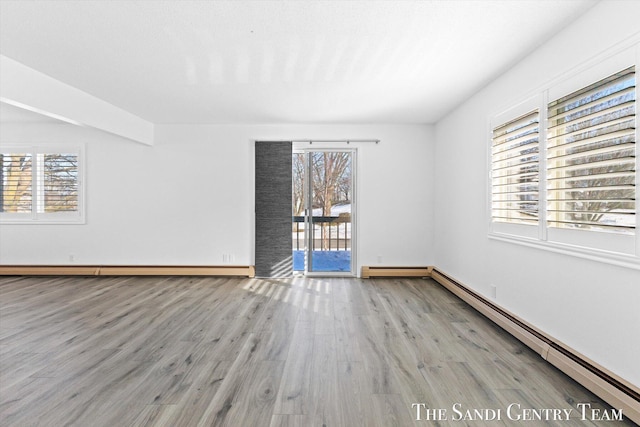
(185, 351)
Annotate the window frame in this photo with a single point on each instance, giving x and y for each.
(615, 248)
(35, 217)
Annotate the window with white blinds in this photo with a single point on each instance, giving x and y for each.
(515, 170)
(591, 156)
(40, 185)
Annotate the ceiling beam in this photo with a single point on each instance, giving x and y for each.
(32, 90)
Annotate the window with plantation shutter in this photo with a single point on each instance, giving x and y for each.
(515, 170)
(40, 184)
(591, 156)
(563, 162)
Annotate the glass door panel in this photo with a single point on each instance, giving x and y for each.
(330, 219)
(299, 205)
(323, 180)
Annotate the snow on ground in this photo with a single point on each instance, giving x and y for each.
(324, 261)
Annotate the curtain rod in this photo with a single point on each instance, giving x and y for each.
(348, 141)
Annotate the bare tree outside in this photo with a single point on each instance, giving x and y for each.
(298, 183)
(60, 182)
(331, 185)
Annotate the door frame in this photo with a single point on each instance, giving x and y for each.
(354, 209)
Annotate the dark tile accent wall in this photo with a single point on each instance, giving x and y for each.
(273, 256)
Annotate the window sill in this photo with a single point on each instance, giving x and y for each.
(74, 221)
(608, 257)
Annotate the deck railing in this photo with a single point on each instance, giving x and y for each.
(329, 232)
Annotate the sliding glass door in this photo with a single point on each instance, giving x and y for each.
(323, 212)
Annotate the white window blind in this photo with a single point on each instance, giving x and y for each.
(515, 170)
(591, 156)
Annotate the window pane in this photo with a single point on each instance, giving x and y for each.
(591, 164)
(514, 170)
(15, 183)
(59, 183)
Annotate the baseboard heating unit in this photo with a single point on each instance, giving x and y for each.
(125, 270)
(614, 390)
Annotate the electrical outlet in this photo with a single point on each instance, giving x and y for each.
(494, 291)
(72, 258)
(379, 259)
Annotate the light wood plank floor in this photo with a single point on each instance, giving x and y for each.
(184, 351)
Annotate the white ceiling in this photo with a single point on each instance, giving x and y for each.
(279, 61)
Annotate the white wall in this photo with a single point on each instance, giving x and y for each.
(189, 199)
(591, 306)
